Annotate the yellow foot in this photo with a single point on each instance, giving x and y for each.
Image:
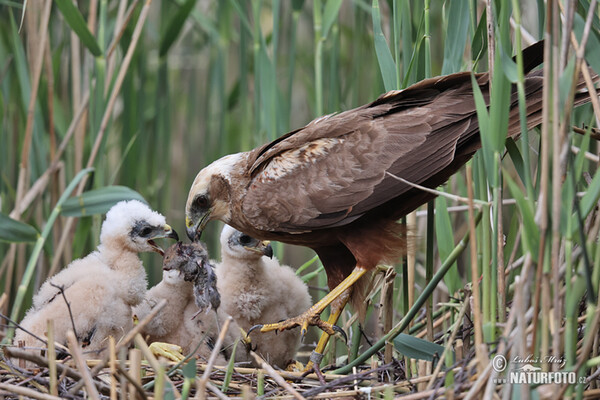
(311, 316)
(167, 350)
(304, 320)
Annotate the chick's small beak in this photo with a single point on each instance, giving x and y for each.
(171, 233)
(267, 249)
(263, 248)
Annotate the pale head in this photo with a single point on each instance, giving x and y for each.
(209, 196)
(235, 244)
(134, 226)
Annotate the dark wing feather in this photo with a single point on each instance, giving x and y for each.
(334, 170)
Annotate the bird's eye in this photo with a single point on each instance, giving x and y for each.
(245, 240)
(201, 202)
(146, 232)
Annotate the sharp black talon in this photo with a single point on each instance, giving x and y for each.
(259, 326)
(341, 332)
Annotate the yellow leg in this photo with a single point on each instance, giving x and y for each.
(311, 316)
(336, 310)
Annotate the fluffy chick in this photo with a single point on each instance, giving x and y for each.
(256, 289)
(102, 287)
(189, 286)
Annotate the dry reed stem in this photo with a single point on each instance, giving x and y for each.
(588, 156)
(3, 300)
(113, 367)
(285, 374)
(586, 346)
(52, 359)
(442, 359)
(479, 383)
(23, 391)
(117, 87)
(275, 375)
(81, 366)
(216, 391)
(155, 364)
(135, 369)
(120, 25)
(202, 382)
(491, 38)
(479, 351)
(64, 370)
(449, 196)
(125, 340)
(37, 72)
(438, 322)
(387, 302)
(40, 184)
(23, 175)
(502, 345)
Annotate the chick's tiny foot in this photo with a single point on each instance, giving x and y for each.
(169, 351)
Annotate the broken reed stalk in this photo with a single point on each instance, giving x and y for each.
(449, 342)
(81, 366)
(275, 375)
(387, 301)
(135, 370)
(64, 370)
(52, 359)
(202, 382)
(113, 367)
(23, 391)
(159, 370)
(124, 341)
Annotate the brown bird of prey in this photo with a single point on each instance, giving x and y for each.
(100, 289)
(255, 288)
(331, 185)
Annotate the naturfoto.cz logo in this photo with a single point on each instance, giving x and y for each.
(522, 372)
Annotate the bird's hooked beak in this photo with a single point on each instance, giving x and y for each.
(166, 232)
(193, 228)
(263, 248)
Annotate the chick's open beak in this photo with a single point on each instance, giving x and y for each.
(166, 232)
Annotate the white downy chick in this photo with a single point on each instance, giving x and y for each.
(256, 289)
(102, 287)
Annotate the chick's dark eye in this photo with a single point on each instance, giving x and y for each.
(146, 232)
(201, 202)
(245, 240)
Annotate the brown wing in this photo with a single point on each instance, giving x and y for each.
(334, 170)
